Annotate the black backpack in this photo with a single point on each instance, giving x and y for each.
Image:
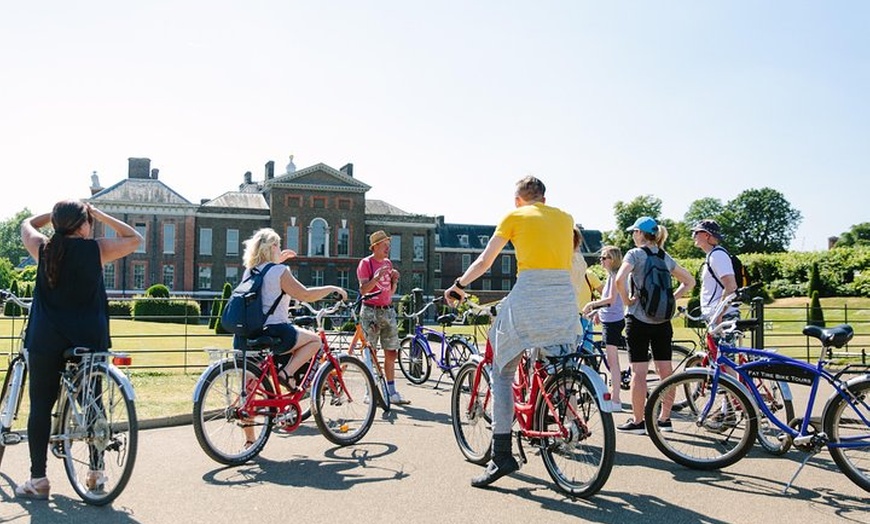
(243, 315)
(740, 275)
(657, 293)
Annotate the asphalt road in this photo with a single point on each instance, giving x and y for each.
(408, 469)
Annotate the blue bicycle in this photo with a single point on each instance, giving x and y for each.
(723, 414)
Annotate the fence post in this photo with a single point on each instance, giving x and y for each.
(758, 333)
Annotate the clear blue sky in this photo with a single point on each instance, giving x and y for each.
(442, 106)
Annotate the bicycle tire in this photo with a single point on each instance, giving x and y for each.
(686, 398)
(4, 398)
(340, 410)
(472, 427)
(414, 361)
(772, 439)
(840, 421)
(458, 353)
(581, 462)
(99, 456)
(711, 444)
(218, 427)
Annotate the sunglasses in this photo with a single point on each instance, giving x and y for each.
(604, 258)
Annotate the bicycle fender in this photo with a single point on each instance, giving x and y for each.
(197, 389)
(849, 384)
(598, 385)
(122, 379)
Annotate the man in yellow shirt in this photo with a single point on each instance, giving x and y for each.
(540, 310)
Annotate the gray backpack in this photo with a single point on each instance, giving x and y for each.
(656, 295)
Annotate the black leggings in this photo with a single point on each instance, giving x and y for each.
(44, 368)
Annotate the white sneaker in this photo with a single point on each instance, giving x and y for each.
(397, 399)
(366, 399)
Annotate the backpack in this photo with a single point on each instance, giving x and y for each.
(657, 294)
(243, 315)
(740, 275)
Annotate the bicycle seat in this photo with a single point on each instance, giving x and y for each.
(446, 320)
(836, 336)
(747, 324)
(305, 321)
(262, 342)
(76, 352)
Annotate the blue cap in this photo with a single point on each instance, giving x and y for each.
(645, 224)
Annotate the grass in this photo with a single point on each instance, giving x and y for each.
(180, 350)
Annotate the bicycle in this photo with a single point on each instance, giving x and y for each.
(94, 427)
(415, 352)
(776, 394)
(239, 400)
(722, 423)
(359, 342)
(561, 408)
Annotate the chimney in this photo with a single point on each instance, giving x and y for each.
(270, 169)
(347, 170)
(203, 201)
(248, 177)
(95, 184)
(139, 167)
(154, 173)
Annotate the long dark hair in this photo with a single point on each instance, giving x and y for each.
(66, 217)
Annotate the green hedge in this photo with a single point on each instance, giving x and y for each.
(120, 308)
(175, 311)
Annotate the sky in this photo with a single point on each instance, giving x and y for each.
(442, 106)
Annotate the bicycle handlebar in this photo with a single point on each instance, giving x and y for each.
(722, 328)
(8, 295)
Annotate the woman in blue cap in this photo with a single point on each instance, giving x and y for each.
(644, 329)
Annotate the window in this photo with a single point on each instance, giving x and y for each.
(436, 283)
(343, 247)
(205, 241)
(463, 240)
(232, 242)
(438, 262)
(109, 276)
(169, 276)
(484, 239)
(138, 276)
(294, 201)
(396, 247)
(293, 238)
(204, 277)
(232, 275)
(417, 280)
(419, 248)
(318, 238)
(506, 264)
(466, 261)
(316, 277)
(487, 284)
(344, 278)
(318, 202)
(169, 239)
(142, 229)
(505, 284)
(344, 204)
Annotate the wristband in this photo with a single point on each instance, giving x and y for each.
(457, 284)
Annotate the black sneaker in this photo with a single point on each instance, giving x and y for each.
(665, 426)
(635, 428)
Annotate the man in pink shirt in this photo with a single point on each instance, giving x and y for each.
(376, 273)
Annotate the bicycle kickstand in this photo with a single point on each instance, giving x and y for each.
(800, 467)
(522, 452)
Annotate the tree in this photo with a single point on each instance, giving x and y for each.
(227, 291)
(10, 237)
(700, 209)
(760, 221)
(815, 284)
(625, 215)
(817, 315)
(858, 235)
(7, 273)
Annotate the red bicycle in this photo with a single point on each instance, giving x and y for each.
(239, 400)
(561, 407)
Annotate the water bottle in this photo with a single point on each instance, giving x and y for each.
(14, 392)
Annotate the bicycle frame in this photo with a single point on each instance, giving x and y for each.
(422, 333)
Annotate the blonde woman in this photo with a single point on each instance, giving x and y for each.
(611, 314)
(279, 285)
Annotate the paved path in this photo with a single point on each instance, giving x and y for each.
(408, 469)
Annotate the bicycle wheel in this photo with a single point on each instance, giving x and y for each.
(99, 435)
(414, 361)
(580, 462)
(8, 403)
(226, 435)
(471, 414)
(772, 439)
(687, 397)
(458, 353)
(844, 423)
(722, 438)
(340, 408)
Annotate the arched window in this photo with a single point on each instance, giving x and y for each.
(318, 238)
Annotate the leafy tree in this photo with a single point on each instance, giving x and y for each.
(760, 221)
(817, 315)
(7, 273)
(815, 283)
(10, 237)
(858, 235)
(700, 209)
(11, 309)
(228, 290)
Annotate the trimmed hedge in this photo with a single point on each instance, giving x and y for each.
(174, 310)
(120, 308)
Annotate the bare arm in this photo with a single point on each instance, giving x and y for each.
(126, 241)
(477, 268)
(686, 280)
(30, 235)
(369, 285)
(295, 289)
(621, 282)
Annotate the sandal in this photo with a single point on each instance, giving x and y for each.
(288, 382)
(38, 490)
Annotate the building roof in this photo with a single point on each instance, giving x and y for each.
(462, 236)
(140, 191)
(238, 200)
(379, 207)
(319, 176)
